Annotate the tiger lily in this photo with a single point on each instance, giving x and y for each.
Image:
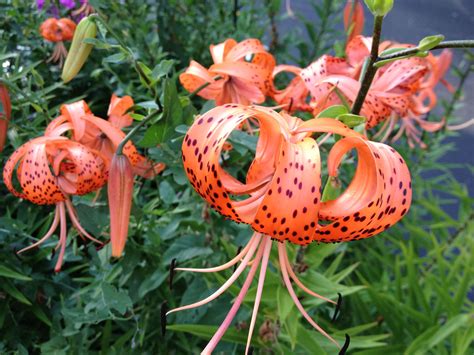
(49, 170)
(57, 31)
(102, 135)
(398, 90)
(5, 114)
(281, 198)
(105, 136)
(241, 73)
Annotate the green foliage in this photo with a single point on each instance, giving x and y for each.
(404, 291)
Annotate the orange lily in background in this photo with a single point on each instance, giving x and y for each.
(103, 135)
(244, 69)
(295, 96)
(57, 31)
(281, 198)
(50, 170)
(398, 91)
(353, 19)
(5, 115)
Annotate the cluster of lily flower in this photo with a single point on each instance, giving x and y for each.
(281, 198)
(52, 168)
(401, 91)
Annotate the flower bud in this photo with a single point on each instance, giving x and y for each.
(79, 50)
(379, 7)
(5, 113)
(119, 191)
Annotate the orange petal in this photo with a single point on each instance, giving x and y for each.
(117, 111)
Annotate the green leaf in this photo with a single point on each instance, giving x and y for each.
(11, 289)
(351, 120)
(172, 113)
(167, 192)
(430, 42)
(7, 272)
(114, 299)
(207, 331)
(332, 189)
(116, 58)
(333, 111)
(285, 303)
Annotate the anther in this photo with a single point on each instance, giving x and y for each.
(164, 309)
(172, 269)
(346, 345)
(338, 307)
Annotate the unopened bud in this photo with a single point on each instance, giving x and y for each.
(79, 50)
(379, 7)
(120, 193)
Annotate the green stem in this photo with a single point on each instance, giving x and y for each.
(445, 44)
(135, 129)
(203, 86)
(371, 69)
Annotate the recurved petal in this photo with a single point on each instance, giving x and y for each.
(378, 196)
(75, 113)
(117, 111)
(196, 75)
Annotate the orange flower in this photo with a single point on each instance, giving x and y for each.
(245, 70)
(5, 114)
(49, 170)
(398, 91)
(105, 136)
(353, 18)
(102, 135)
(281, 198)
(119, 192)
(57, 31)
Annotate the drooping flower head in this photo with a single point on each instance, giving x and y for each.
(105, 136)
(51, 169)
(244, 69)
(5, 114)
(57, 31)
(281, 197)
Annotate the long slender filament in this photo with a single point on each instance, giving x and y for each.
(77, 224)
(286, 279)
(228, 264)
(50, 232)
(267, 244)
(298, 282)
(235, 307)
(62, 236)
(227, 284)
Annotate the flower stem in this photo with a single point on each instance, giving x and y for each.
(130, 134)
(445, 44)
(371, 69)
